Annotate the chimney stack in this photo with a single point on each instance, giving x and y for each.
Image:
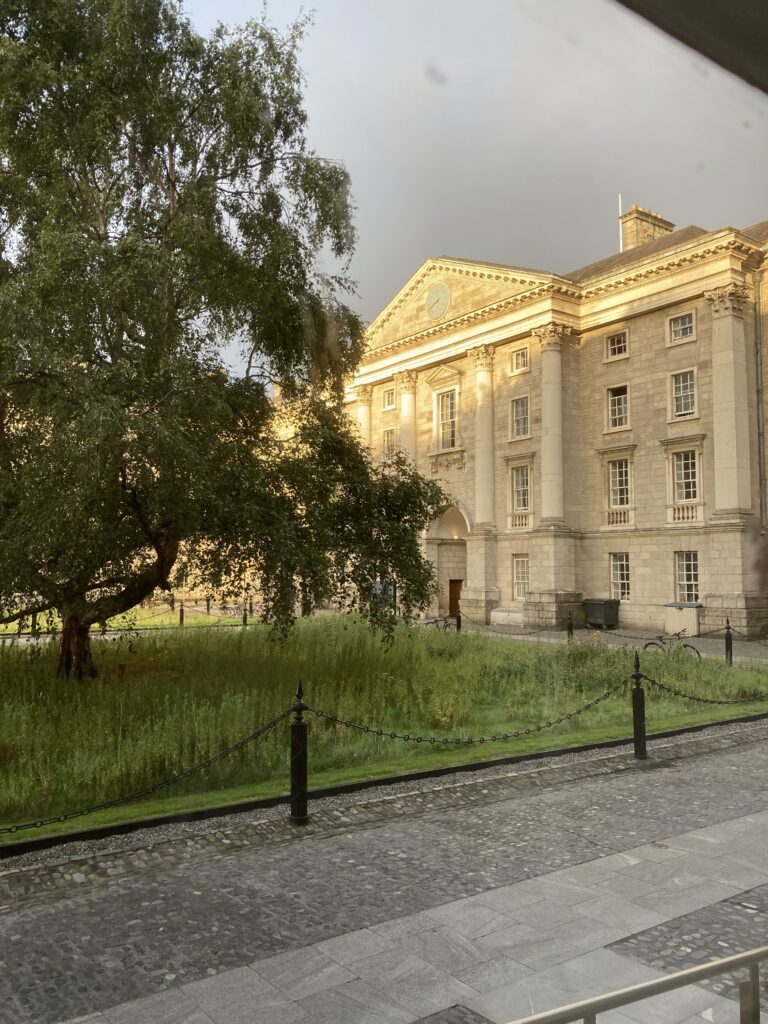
(639, 226)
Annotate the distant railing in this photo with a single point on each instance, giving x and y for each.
(588, 1009)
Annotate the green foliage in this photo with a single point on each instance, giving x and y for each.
(158, 201)
(165, 701)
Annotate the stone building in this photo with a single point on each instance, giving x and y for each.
(600, 433)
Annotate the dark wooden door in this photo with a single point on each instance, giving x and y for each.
(454, 596)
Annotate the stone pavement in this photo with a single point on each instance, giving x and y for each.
(486, 903)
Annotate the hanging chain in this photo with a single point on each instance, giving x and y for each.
(168, 781)
(467, 741)
(703, 700)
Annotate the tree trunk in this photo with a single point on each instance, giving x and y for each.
(75, 649)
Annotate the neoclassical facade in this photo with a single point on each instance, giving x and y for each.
(600, 433)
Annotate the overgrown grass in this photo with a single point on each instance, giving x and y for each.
(164, 702)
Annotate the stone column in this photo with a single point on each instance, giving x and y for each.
(550, 340)
(485, 463)
(364, 395)
(406, 388)
(733, 488)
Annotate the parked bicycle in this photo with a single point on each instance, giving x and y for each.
(444, 623)
(672, 642)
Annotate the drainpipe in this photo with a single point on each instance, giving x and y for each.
(757, 280)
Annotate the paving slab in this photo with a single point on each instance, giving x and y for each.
(482, 900)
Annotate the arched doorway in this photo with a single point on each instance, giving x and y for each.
(447, 548)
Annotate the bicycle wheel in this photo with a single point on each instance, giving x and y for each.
(653, 645)
(692, 650)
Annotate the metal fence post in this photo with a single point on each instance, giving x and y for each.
(728, 643)
(299, 783)
(749, 997)
(458, 620)
(570, 627)
(245, 616)
(638, 711)
(181, 614)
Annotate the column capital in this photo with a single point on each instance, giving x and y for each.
(406, 380)
(482, 357)
(365, 394)
(552, 335)
(727, 301)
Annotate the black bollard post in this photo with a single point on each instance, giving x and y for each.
(181, 614)
(172, 601)
(458, 620)
(250, 605)
(570, 627)
(245, 616)
(208, 605)
(728, 643)
(299, 783)
(638, 711)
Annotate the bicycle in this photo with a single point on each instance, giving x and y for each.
(672, 642)
(444, 623)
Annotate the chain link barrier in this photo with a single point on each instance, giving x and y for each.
(703, 700)
(168, 781)
(470, 740)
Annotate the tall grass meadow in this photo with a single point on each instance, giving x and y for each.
(164, 701)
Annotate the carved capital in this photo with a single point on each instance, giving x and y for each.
(406, 381)
(364, 394)
(727, 301)
(482, 357)
(552, 335)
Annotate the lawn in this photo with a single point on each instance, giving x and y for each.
(165, 701)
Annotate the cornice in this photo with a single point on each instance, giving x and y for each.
(475, 316)
(560, 288)
(668, 268)
(457, 269)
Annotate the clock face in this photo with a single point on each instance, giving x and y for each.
(438, 300)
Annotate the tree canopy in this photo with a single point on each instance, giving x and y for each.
(158, 203)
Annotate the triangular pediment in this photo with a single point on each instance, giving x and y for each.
(444, 291)
(444, 375)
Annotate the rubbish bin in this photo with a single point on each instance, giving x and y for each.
(602, 612)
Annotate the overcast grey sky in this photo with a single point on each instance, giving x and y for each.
(504, 129)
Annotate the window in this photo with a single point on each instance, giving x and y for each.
(687, 576)
(684, 479)
(520, 576)
(681, 328)
(521, 490)
(618, 407)
(616, 345)
(446, 420)
(683, 394)
(519, 418)
(686, 486)
(618, 483)
(520, 360)
(620, 576)
(388, 398)
(388, 441)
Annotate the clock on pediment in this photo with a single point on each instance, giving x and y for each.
(438, 300)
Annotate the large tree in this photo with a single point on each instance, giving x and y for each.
(159, 203)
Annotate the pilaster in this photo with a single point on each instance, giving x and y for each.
(485, 489)
(364, 397)
(550, 339)
(733, 491)
(406, 388)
